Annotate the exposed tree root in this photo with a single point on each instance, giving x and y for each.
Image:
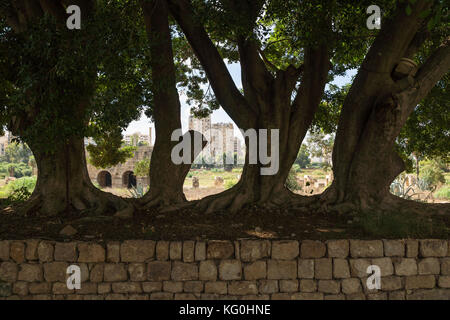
(392, 202)
(161, 201)
(91, 201)
(330, 202)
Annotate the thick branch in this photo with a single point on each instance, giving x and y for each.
(221, 81)
(434, 68)
(315, 72)
(256, 79)
(395, 37)
(55, 8)
(166, 100)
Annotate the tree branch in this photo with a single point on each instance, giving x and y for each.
(55, 8)
(395, 37)
(269, 64)
(434, 68)
(221, 81)
(315, 74)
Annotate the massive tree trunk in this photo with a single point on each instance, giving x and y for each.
(376, 108)
(166, 177)
(265, 104)
(63, 184)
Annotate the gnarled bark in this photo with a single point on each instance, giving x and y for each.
(375, 109)
(63, 185)
(265, 104)
(166, 177)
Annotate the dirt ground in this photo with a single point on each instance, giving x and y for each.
(188, 225)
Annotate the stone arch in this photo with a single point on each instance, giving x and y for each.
(129, 179)
(104, 179)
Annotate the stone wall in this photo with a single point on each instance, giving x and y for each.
(118, 172)
(246, 269)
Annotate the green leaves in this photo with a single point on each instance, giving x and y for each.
(408, 10)
(59, 81)
(142, 168)
(109, 150)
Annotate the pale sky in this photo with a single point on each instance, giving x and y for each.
(219, 115)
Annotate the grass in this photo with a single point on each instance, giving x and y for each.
(206, 177)
(26, 182)
(443, 193)
(401, 225)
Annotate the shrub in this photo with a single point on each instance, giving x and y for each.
(291, 181)
(142, 168)
(20, 169)
(137, 192)
(26, 182)
(19, 190)
(230, 183)
(432, 176)
(443, 193)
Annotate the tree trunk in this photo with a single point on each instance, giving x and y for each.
(265, 103)
(166, 177)
(63, 184)
(374, 111)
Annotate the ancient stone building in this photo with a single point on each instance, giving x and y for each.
(121, 175)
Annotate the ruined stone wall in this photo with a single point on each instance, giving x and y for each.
(117, 172)
(246, 269)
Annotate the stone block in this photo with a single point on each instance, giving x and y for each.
(366, 248)
(405, 267)
(281, 269)
(182, 271)
(162, 250)
(230, 270)
(306, 268)
(114, 272)
(255, 270)
(341, 269)
(30, 273)
(159, 270)
(312, 249)
(329, 286)
(137, 250)
(252, 250)
(308, 285)
(433, 248)
(394, 248)
(323, 268)
(338, 248)
(207, 270)
(56, 271)
(285, 250)
(420, 282)
(91, 252)
(66, 251)
(220, 250)
(429, 266)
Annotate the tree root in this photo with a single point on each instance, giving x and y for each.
(162, 202)
(90, 201)
(394, 203)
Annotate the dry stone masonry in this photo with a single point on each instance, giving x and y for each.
(245, 269)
